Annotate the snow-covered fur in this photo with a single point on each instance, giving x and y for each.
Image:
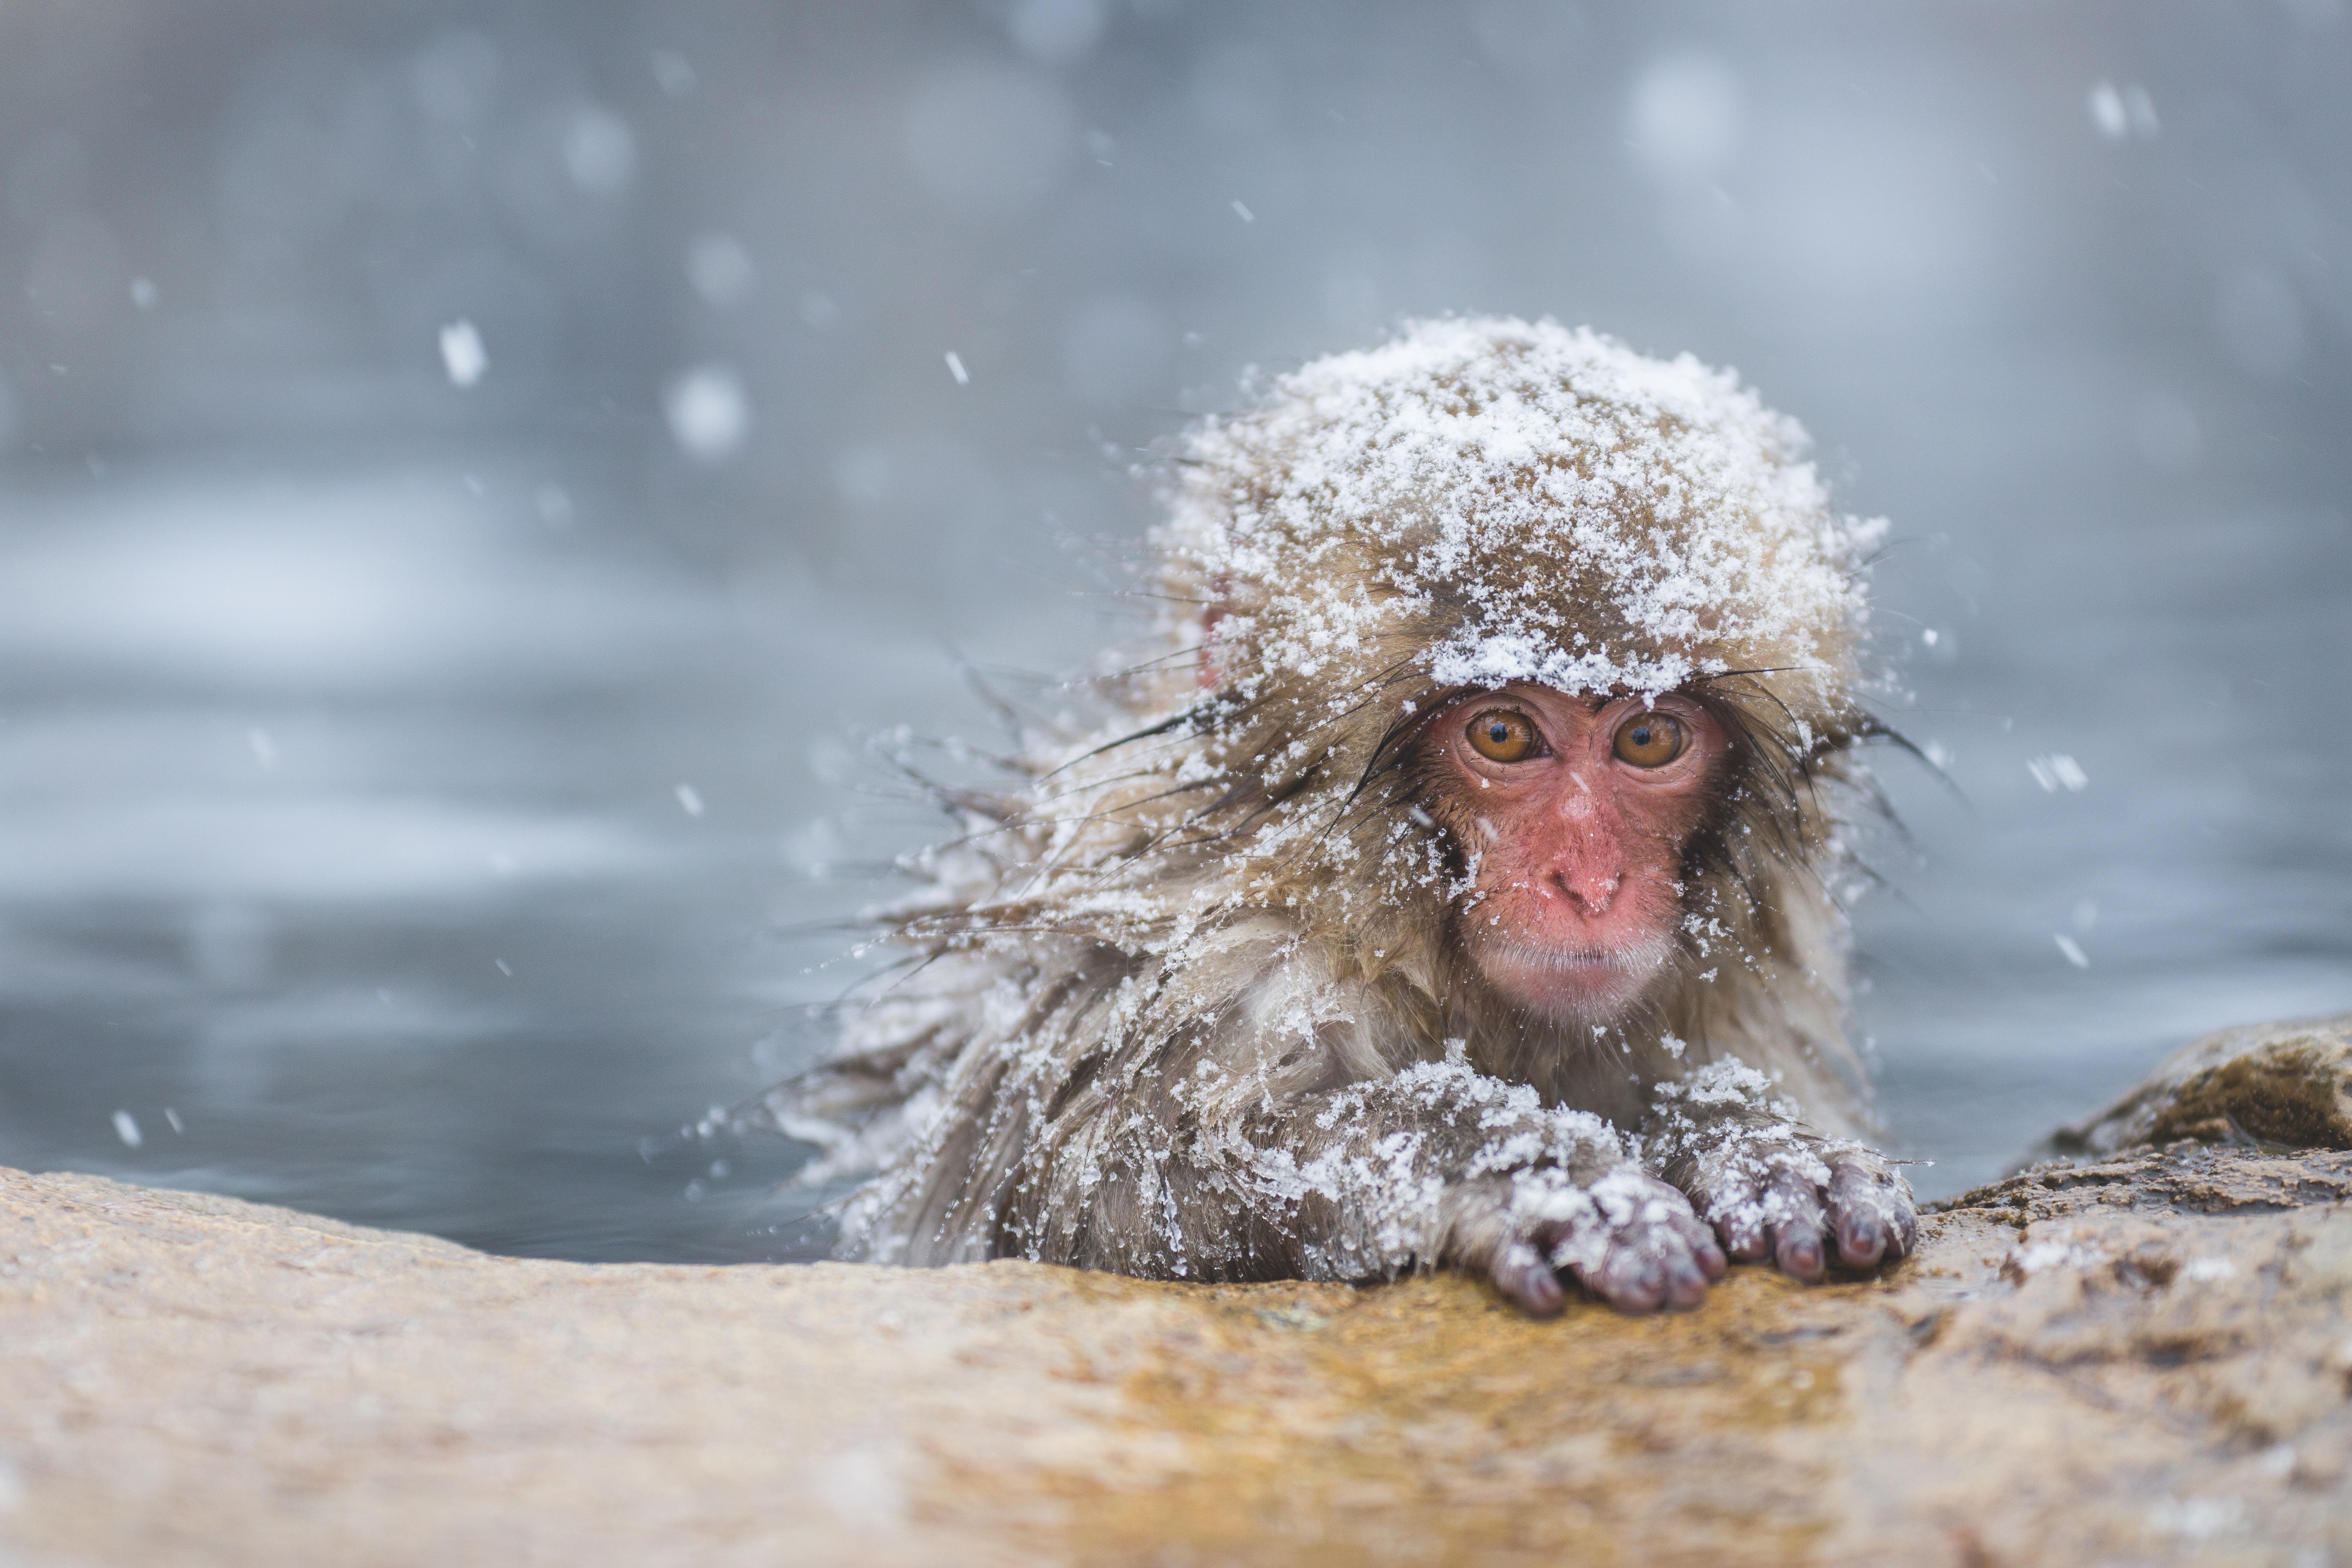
(1187, 1000)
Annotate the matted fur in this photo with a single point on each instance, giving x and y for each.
(1188, 999)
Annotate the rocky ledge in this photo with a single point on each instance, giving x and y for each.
(2143, 1358)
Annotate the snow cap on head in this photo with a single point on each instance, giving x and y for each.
(1514, 502)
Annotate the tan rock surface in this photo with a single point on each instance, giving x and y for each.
(2276, 1086)
(2144, 1360)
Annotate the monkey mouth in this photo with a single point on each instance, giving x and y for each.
(1645, 956)
(1582, 981)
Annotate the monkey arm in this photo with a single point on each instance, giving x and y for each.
(1741, 1153)
(1438, 1164)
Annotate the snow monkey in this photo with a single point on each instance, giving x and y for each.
(1453, 886)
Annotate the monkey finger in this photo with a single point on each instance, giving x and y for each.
(1680, 1248)
(1738, 1208)
(1858, 1217)
(1870, 1205)
(1797, 1249)
(1795, 1221)
(1861, 1239)
(1902, 1217)
(1627, 1276)
(1633, 1286)
(1668, 1262)
(1686, 1282)
(1906, 1229)
(1521, 1273)
(1699, 1237)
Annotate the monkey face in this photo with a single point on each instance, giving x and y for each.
(1573, 814)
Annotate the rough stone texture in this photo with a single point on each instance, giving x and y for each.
(2146, 1359)
(2267, 1085)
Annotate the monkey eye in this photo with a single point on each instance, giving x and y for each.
(1503, 736)
(1650, 739)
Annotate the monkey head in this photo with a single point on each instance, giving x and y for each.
(1505, 646)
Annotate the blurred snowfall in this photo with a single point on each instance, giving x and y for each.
(469, 475)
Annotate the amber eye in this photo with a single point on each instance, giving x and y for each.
(1501, 735)
(1649, 739)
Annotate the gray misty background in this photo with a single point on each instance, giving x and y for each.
(474, 476)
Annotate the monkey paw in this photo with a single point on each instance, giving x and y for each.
(1629, 1238)
(1794, 1198)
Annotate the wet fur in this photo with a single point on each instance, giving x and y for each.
(1165, 971)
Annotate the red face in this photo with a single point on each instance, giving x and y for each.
(1575, 813)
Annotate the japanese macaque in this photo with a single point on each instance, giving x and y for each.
(1454, 887)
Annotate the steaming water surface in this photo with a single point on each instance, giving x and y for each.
(373, 846)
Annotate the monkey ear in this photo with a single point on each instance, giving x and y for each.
(1207, 672)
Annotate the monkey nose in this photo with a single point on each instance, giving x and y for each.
(1588, 892)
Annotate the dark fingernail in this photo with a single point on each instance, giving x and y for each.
(1802, 1259)
(1685, 1286)
(1860, 1244)
(1652, 1283)
(1711, 1261)
(1639, 1291)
